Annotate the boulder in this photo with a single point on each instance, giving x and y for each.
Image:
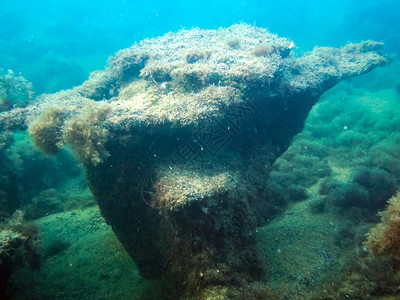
(177, 136)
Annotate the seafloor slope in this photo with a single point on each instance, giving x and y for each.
(177, 137)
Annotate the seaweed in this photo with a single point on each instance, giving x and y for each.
(384, 238)
(46, 130)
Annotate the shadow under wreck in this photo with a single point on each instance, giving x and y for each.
(177, 137)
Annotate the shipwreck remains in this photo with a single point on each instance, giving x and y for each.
(177, 137)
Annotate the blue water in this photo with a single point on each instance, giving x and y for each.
(56, 44)
(352, 131)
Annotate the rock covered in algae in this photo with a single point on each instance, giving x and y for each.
(384, 238)
(177, 137)
(15, 91)
(193, 75)
(19, 244)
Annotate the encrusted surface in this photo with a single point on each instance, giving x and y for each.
(196, 74)
(175, 189)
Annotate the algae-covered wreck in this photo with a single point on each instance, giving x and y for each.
(177, 137)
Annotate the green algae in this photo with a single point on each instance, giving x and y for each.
(92, 264)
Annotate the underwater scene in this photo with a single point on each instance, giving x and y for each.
(200, 149)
